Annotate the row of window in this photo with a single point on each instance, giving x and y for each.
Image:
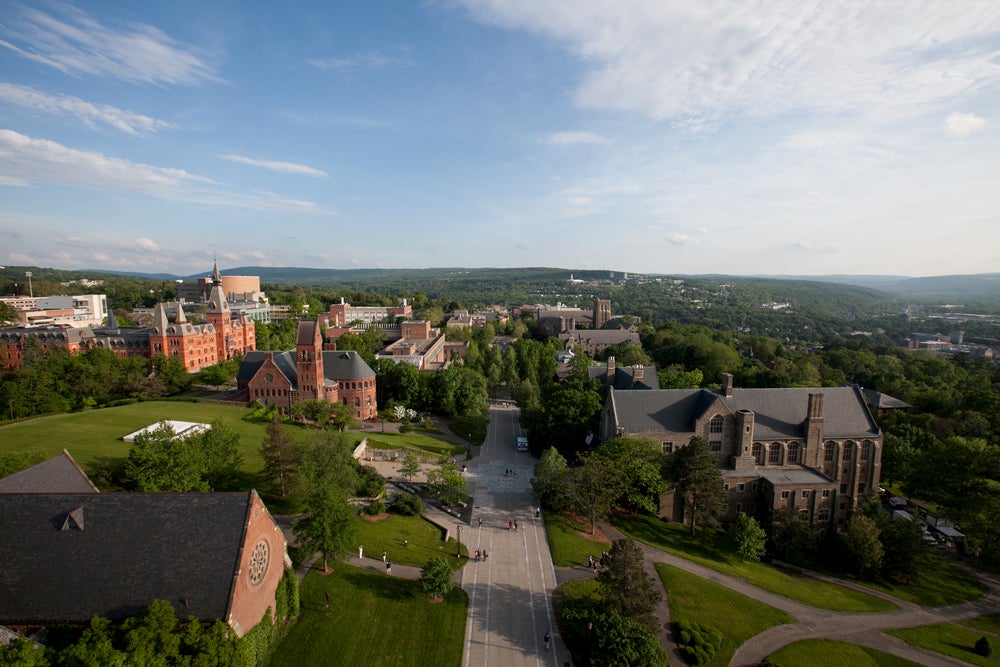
(822, 514)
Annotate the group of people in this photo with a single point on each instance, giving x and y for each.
(594, 563)
(481, 554)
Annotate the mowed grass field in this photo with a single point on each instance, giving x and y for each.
(93, 434)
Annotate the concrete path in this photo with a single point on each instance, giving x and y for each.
(510, 592)
(814, 623)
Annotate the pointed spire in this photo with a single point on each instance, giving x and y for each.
(216, 278)
(181, 319)
(160, 322)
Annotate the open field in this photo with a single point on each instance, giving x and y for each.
(424, 539)
(810, 652)
(738, 617)
(373, 620)
(568, 548)
(709, 548)
(949, 639)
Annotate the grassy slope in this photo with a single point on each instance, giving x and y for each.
(810, 652)
(424, 540)
(374, 620)
(949, 639)
(738, 617)
(708, 548)
(567, 547)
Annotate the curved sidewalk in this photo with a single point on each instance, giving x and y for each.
(814, 623)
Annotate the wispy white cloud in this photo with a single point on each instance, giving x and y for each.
(573, 137)
(696, 64)
(90, 114)
(70, 41)
(368, 60)
(809, 247)
(44, 161)
(963, 124)
(41, 160)
(681, 238)
(281, 167)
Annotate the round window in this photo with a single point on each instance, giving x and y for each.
(269, 377)
(258, 562)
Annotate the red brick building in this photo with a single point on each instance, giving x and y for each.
(309, 372)
(221, 337)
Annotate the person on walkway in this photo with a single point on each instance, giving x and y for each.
(388, 567)
(547, 640)
(361, 551)
(590, 561)
(385, 556)
(515, 526)
(510, 524)
(485, 555)
(480, 522)
(477, 555)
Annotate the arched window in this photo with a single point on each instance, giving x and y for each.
(866, 450)
(830, 451)
(793, 453)
(848, 450)
(774, 454)
(758, 453)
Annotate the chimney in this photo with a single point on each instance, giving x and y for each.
(727, 384)
(637, 374)
(815, 406)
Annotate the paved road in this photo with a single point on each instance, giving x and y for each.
(510, 592)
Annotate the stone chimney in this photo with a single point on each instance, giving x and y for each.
(743, 458)
(637, 374)
(812, 427)
(727, 384)
(611, 371)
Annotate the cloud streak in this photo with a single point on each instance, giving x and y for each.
(369, 60)
(78, 45)
(963, 124)
(573, 137)
(90, 114)
(280, 167)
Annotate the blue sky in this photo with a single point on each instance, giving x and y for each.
(651, 136)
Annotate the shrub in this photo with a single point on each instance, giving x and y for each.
(370, 482)
(374, 508)
(404, 428)
(700, 642)
(408, 504)
(983, 647)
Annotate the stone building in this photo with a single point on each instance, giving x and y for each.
(815, 452)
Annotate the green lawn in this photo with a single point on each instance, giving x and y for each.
(374, 620)
(424, 540)
(949, 639)
(415, 440)
(811, 652)
(709, 548)
(569, 549)
(738, 617)
(990, 624)
(941, 583)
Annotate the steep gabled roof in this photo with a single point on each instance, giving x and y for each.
(778, 413)
(69, 556)
(60, 474)
(345, 365)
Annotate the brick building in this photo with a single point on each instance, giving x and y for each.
(815, 452)
(223, 336)
(309, 372)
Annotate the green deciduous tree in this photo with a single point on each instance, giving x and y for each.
(640, 461)
(410, 467)
(444, 481)
(594, 487)
(278, 451)
(551, 480)
(328, 525)
(219, 446)
(693, 472)
(437, 578)
(861, 542)
(160, 461)
(747, 537)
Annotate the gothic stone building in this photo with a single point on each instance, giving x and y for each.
(815, 452)
(309, 372)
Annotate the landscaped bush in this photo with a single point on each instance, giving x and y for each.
(700, 642)
(983, 647)
(404, 428)
(370, 482)
(374, 508)
(408, 504)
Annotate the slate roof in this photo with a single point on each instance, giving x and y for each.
(69, 556)
(338, 365)
(881, 401)
(778, 413)
(60, 474)
(624, 377)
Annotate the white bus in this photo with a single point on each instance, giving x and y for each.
(521, 444)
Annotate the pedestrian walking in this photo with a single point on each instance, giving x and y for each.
(361, 551)
(510, 524)
(485, 555)
(406, 543)
(515, 526)
(388, 567)
(590, 561)
(547, 640)
(480, 522)
(385, 556)
(477, 555)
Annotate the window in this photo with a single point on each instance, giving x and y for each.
(823, 515)
(805, 493)
(725, 486)
(830, 451)
(715, 433)
(843, 488)
(793, 453)
(848, 451)
(774, 454)
(826, 493)
(785, 494)
(866, 450)
(758, 453)
(861, 488)
(668, 447)
(741, 487)
(753, 487)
